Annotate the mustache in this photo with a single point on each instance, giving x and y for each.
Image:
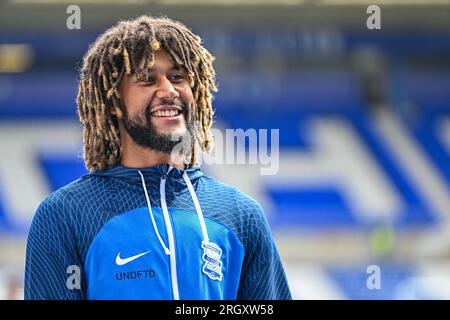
(169, 102)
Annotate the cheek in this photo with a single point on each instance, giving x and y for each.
(191, 110)
(187, 97)
(137, 100)
(185, 93)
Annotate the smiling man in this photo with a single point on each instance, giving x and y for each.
(158, 115)
(145, 222)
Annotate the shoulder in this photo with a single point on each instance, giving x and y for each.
(232, 196)
(240, 212)
(234, 208)
(65, 200)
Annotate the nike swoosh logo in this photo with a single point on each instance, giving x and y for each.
(121, 262)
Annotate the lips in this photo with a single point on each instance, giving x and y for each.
(166, 111)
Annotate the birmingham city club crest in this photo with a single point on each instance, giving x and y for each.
(211, 256)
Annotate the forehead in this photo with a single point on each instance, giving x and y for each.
(163, 62)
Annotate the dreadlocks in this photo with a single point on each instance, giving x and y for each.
(118, 52)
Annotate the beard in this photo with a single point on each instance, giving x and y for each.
(146, 135)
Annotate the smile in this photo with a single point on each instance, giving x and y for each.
(166, 113)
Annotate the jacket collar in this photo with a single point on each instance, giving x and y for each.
(151, 174)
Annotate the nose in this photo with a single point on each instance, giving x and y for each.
(166, 90)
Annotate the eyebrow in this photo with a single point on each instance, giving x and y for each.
(140, 74)
(153, 70)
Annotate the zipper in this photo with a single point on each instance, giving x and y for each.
(173, 262)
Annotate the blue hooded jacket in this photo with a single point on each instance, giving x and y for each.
(151, 233)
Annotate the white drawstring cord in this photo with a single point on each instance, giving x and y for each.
(212, 253)
(197, 207)
(151, 215)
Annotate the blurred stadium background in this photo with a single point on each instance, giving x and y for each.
(364, 120)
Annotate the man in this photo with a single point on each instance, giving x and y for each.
(146, 223)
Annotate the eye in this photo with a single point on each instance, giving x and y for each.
(177, 77)
(147, 80)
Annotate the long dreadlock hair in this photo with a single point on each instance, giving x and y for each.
(116, 53)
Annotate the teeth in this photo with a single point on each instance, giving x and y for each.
(165, 113)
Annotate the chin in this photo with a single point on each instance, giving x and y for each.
(177, 132)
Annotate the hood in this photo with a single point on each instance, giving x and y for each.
(152, 175)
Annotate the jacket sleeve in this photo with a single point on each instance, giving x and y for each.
(53, 269)
(263, 276)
